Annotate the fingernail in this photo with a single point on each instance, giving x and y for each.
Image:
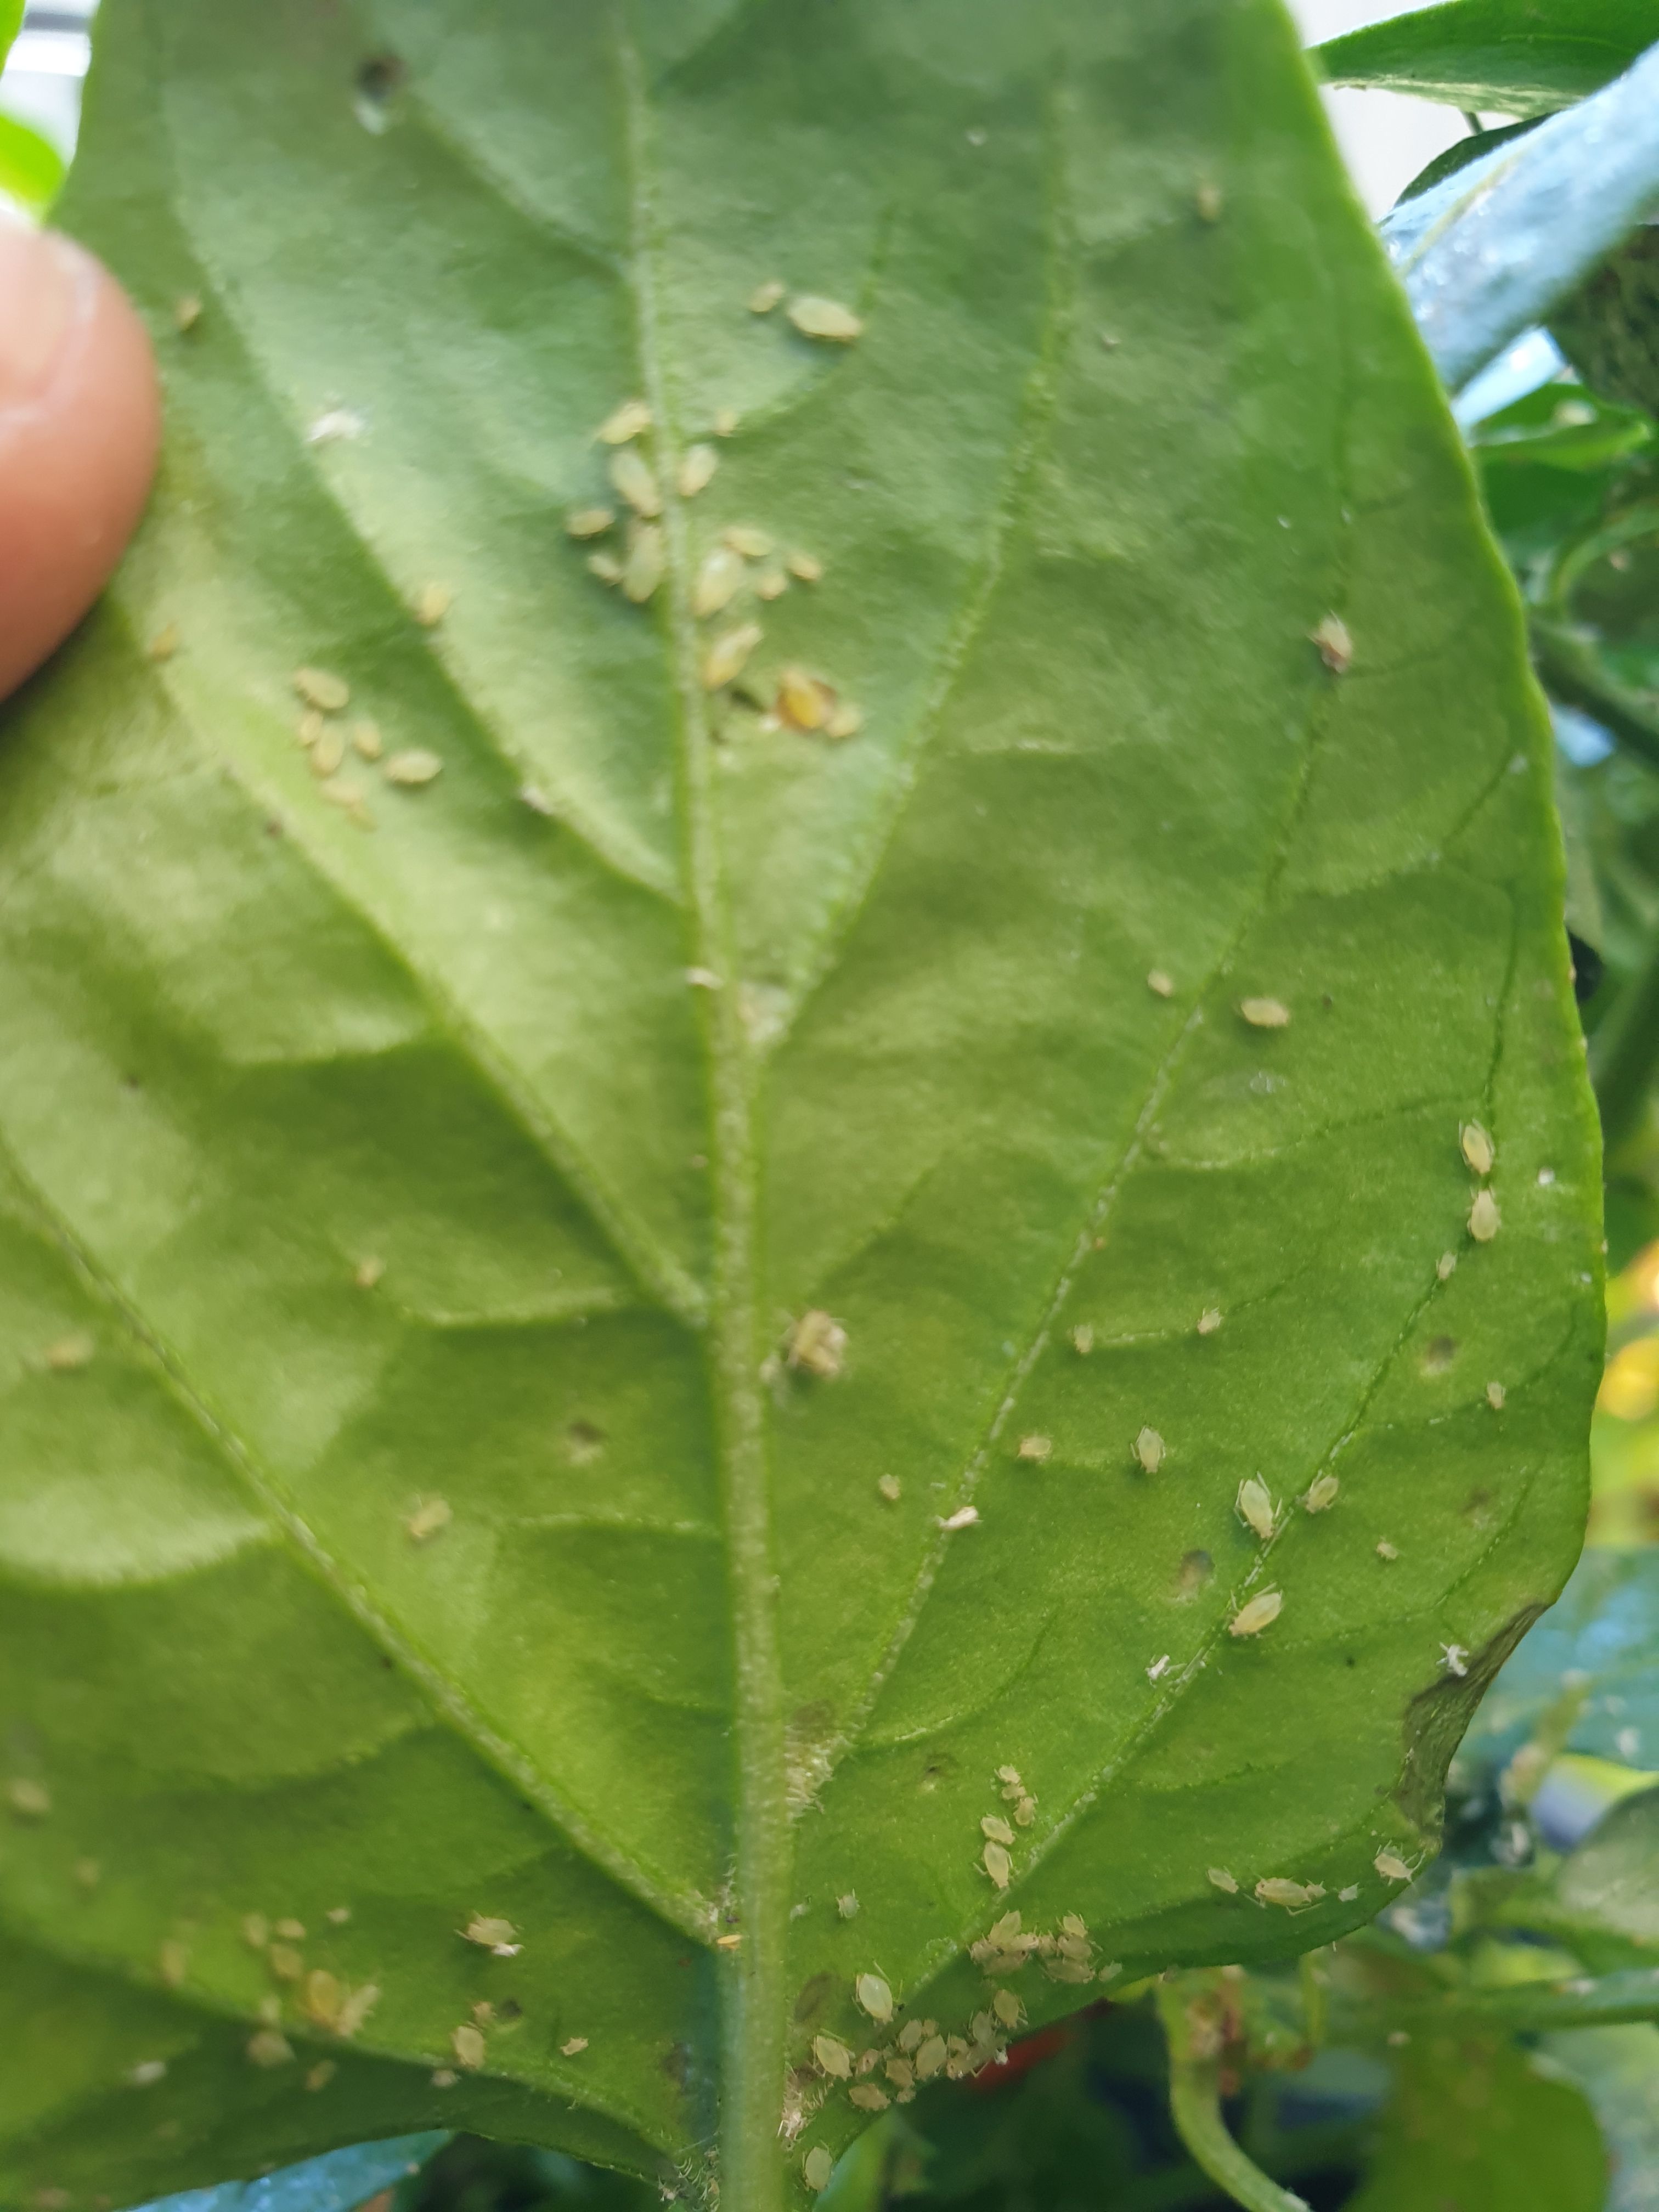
(40, 286)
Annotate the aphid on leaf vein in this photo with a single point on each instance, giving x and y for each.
(1391, 1866)
(321, 1997)
(1035, 1448)
(1260, 1612)
(1209, 1321)
(366, 740)
(291, 1931)
(931, 2055)
(1322, 1493)
(1160, 984)
(269, 2048)
(309, 727)
(256, 1930)
(847, 1906)
(147, 2072)
(846, 720)
(1485, 1219)
(817, 1343)
(635, 482)
(327, 751)
(877, 1999)
(1478, 1147)
(804, 701)
(414, 766)
(1159, 1668)
(1150, 1450)
(1025, 1812)
(891, 1488)
(833, 2057)
(716, 581)
(1347, 1896)
(1495, 1396)
(443, 2077)
(327, 693)
(432, 602)
(1334, 643)
(1083, 1339)
(1007, 2009)
(285, 1962)
(728, 1943)
(746, 540)
(997, 1829)
(1446, 1266)
(696, 470)
(817, 2167)
(357, 2008)
(965, 1516)
(606, 567)
(1255, 1506)
(1265, 1013)
(431, 1515)
(467, 2045)
(868, 2098)
(589, 521)
(367, 1272)
(1274, 1889)
(1386, 1551)
(1454, 1659)
(998, 1864)
(29, 1799)
(630, 420)
(1223, 1880)
(815, 317)
(726, 656)
(646, 561)
(575, 2044)
(805, 568)
(765, 297)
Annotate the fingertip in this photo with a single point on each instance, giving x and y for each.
(80, 421)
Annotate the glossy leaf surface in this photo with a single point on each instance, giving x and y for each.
(334, 2183)
(1505, 57)
(414, 1518)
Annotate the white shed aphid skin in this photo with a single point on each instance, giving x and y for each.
(589, 521)
(748, 541)
(1485, 1219)
(432, 602)
(1223, 1880)
(1035, 1448)
(1159, 1668)
(875, 1996)
(606, 567)
(431, 1515)
(725, 659)
(1387, 1551)
(1150, 1450)
(965, 1516)
(572, 2045)
(1209, 1321)
(1275, 1889)
(1321, 1493)
(631, 420)
(1255, 1506)
(1446, 1266)
(636, 483)
(1496, 1395)
(815, 317)
(997, 1863)
(1083, 1339)
(817, 2167)
(1478, 1148)
(366, 740)
(1334, 643)
(1391, 1866)
(647, 562)
(30, 1799)
(696, 470)
(327, 751)
(818, 1344)
(468, 2045)
(1454, 1659)
(414, 766)
(766, 296)
(1265, 1013)
(805, 567)
(488, 1931)
(320, 689)
(357, 2008)
(716, 582)
(1347, 1896)
(891, 1488)
(994, 1827)
(267, 2047)
(1259, 1613)
(1161, 985)
(833, 2057)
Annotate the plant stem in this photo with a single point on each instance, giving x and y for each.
(1572, 673)
(1528, 2008)
(1195, 2107)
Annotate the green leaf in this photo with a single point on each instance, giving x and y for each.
(1477, 2124)
(1495, 54)
(31, 167)
(1618, 2071)
(1609, 1881)
(354, 1172)
(1609, 328)
(334, 2183)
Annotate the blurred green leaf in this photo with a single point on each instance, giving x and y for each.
(1618, 2071)
(1609, 327)
(1496, 56)
(1474, 2122)
(12, 18)
(31, 167)
(1611, 1880)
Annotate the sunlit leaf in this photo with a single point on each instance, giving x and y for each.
(1494, 55)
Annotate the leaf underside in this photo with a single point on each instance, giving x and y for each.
(1492, 57)
(445, 1148)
